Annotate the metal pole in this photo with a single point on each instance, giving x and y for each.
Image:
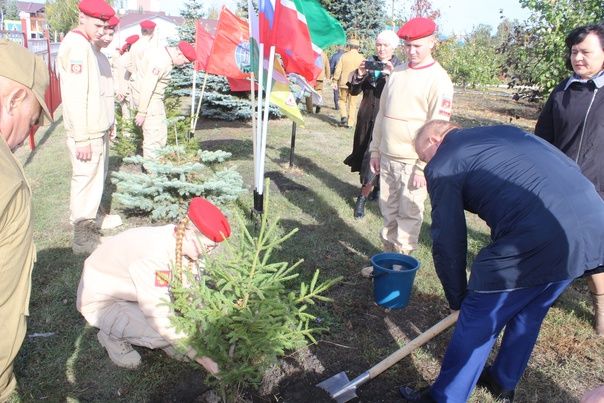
(293, 145)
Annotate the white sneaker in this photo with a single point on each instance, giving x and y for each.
(120, 352)
(110, 221)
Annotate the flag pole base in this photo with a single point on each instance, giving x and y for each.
(258, 208)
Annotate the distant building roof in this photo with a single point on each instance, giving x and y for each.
(135, 17)
(30, 7)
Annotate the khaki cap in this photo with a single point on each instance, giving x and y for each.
(21, 65)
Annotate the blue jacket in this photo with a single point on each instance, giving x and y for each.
(546, 219)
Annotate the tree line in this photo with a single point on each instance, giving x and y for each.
(526, 55)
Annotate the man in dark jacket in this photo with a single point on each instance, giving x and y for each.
(547, 228)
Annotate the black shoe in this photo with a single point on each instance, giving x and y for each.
(344, 120)
(359, 207)
(416, 395)
(317, 109)
(374, 195)
(487, 381)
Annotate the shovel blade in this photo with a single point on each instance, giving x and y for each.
(339, 387)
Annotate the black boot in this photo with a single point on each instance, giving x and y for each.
(487, 380)
(359, 207)
(375, 194)
(317, 109)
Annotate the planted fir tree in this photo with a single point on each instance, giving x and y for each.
(246, 310)
(163, 191)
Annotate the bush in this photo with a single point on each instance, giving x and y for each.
(164, 190)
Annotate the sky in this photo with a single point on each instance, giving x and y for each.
(457, 16)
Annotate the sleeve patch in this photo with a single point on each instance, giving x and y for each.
(445, 103)
(76, 68)
(162, 278)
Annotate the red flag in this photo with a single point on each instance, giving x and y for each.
(291, 37)
(240, 85)
(230, 54)
(203, 46)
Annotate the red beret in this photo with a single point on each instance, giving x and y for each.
(416, 28)
(131, 39)
(112, 22)
(208, 219)
(147, 24)
(188, 50)
(96, 9)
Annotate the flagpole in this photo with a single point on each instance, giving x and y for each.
(269, 79)
(258, 135)
(255, 121)
(203, 89)
(192, 128)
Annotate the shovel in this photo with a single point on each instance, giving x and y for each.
(343, 390)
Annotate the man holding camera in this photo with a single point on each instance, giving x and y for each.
(347, 65)
(415, 92)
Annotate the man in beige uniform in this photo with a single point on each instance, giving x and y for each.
(153, 80)
(125, 284)
(107, 221)
(146, 41)
(347, 64)
(138, 50)
(23, 82)
(414, 93)
(87, 121)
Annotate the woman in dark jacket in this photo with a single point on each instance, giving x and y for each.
(369, 79)
(573, 121)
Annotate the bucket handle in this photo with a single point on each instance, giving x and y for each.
(380, 274)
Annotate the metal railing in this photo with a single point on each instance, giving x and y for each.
(48, 51)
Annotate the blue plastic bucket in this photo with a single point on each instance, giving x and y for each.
(393, 275)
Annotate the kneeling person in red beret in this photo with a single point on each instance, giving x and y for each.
(125, 284)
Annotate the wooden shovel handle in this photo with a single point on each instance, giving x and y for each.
(412, 345)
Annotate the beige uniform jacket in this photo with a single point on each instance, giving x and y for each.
(349, 62)
(153, 78)
(106, 83)
(325, 74)
(85, 114)
(122, 75)
(410, 98)
(17, 257)
(138, 50)
(132, 266)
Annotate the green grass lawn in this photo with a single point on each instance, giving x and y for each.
(317, 196)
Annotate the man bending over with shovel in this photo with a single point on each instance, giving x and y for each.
(547, 228)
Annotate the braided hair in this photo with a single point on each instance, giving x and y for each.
(181, 228)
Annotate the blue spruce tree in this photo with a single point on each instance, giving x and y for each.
(363, 19)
